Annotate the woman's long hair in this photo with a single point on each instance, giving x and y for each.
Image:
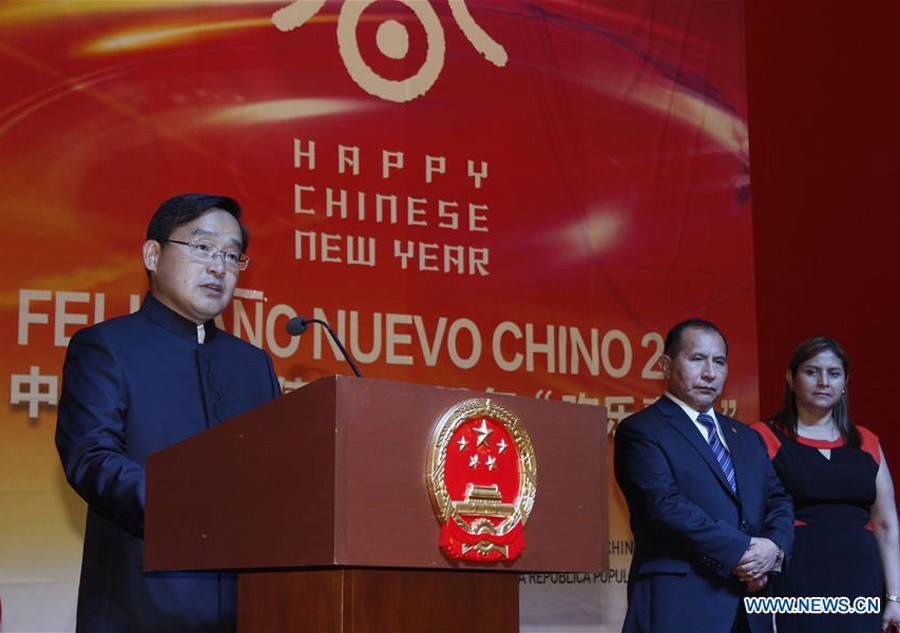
(786, 419)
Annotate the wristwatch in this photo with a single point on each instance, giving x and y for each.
(779, 557)
(891, 597)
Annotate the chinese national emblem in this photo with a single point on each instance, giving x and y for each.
(482, 477)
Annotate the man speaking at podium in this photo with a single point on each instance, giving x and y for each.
(137, 384)
(709, 516)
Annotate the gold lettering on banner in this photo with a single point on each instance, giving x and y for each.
(392, 40)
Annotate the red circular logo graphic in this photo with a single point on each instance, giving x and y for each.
(482, 477)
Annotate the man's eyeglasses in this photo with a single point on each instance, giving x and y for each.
(206, 252)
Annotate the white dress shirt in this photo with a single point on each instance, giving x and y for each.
(693, 414)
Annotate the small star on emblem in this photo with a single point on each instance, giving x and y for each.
(490, 462)
(473, 461)
(502, 446)
(462, 443)
(483, 432)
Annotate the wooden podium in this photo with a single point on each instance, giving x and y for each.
(318, 500)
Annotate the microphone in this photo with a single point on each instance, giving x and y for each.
(299, 325)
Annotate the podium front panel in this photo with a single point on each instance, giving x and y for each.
(384, 512)
(333, 474)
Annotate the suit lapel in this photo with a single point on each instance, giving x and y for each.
(682, 423)
(738, 454)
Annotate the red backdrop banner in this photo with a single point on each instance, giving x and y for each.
(509, 196)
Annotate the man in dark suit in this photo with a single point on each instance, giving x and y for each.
(710, 518)
(136, 384)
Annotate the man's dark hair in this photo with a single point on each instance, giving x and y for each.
(186, 208)
(673, 338)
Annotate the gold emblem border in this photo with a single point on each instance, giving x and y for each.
(452, 419)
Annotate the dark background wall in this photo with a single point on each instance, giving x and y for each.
(825, 166)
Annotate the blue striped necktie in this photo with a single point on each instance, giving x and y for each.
(718, 449)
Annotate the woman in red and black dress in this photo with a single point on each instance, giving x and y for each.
(846, 541)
